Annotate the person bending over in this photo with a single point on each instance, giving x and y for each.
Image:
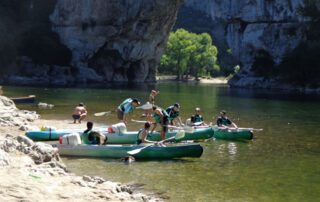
(93, 137)
(162, 117)
(125, 108)
(79, 113)
(224, 122)
(143, 134)
(173, 112)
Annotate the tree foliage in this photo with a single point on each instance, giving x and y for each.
(189, 54)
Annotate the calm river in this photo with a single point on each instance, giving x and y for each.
(281, 163)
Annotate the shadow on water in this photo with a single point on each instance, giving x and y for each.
(111, 160)
(269, 94)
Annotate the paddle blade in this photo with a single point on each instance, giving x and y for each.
(135, 151)
(188, 129)
(145, 106)
(180, 135)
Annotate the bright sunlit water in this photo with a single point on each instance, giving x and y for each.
(281, 163)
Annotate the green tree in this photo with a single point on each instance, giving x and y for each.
(189, 53)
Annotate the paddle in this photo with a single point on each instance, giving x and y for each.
(178, 136)
(104, 113)
(185, 128)
(145, 106)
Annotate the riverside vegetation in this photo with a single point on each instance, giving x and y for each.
(190, 54)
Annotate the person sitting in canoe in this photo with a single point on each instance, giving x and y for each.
(79, 113)
(162, 117)
(197, 120)
(224, 122)
(143, 134)
(93, 137)
(125, 108)
(173, 112)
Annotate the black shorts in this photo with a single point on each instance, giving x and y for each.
(75, 116)
(120, 114)
(165, 124)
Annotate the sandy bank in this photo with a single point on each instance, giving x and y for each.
(34, 171)
(192, 80)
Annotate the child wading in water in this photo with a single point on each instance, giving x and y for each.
(152, 96)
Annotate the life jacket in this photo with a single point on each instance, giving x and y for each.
(196, 118)
(125, 103)
(87, 139)
(224, 121)
(172, 114)
(158, 117)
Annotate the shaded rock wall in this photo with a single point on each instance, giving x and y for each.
(254, 28)
(65, 42)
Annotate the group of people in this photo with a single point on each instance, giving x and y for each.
(164, 117)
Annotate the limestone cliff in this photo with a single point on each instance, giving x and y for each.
(67, 42)
(255, 28)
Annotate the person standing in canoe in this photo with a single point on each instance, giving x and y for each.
(125, 108)
(224, 122)
(143, 134)
(173, 112)
(79, 113)
(152, 96)
(197, 119)
(162, 117)
(92, 137)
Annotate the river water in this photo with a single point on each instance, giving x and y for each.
(281, 163)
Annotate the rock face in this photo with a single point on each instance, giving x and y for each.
(65, 42)
(11, 116)
(255, 28)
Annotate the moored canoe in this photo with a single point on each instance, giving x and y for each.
(56, 134)
(27, 99)
(233, 135)
(119, 151)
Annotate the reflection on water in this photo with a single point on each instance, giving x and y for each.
(280, 164)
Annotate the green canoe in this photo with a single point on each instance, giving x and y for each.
(233, 135)
(119, 151)
(56, 134)
(131, 137)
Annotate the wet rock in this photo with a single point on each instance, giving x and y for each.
(25, 140)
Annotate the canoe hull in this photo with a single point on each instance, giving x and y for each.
(56, 134)
(131, 137)
(20, 100)
(233, 135)
(118, 151)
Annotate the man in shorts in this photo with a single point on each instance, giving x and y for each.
(125, 108)
(79, 113)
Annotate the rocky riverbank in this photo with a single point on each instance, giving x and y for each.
(34, 171)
